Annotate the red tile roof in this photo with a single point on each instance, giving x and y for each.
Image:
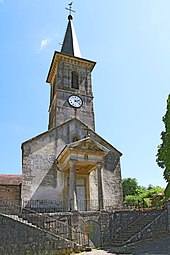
(10, 179)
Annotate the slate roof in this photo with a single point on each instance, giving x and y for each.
(10, 179)
(70, 44)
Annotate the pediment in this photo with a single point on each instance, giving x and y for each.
(87, 144)
(86, 153)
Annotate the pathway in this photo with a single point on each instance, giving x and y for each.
(161, 246)
(99, 252)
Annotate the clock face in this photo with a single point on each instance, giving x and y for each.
(75, 101)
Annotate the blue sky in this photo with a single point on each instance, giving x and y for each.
(129, 39)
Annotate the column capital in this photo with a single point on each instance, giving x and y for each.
(100, 164)
(72, 161)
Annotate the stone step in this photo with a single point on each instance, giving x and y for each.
(57, 235)
(135, 227)
(17, 218)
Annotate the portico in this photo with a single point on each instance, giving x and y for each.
(77, 161)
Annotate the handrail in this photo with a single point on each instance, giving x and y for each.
(138, 219)
(51, 233)
(44, 222)
(63, 205)
(131, 223)
(148, 225)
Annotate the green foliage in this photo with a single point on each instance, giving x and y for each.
(131, 200)
(154, 191)
(163, 155)
(129, 186)
(141, 196)
(167, 191)
(141, 191)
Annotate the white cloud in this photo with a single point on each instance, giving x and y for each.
(44, 43)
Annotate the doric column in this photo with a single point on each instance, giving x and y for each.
(100, 186)
(72, 191)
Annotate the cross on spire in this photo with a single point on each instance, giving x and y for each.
(70, 44)
(70, 9)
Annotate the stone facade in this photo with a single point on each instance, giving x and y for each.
(43, 180)
(61, 88)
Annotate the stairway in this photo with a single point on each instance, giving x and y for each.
(124, 235)
(19, 237)
(44, 222)
(19, 219)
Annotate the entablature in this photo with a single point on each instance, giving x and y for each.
(58, 56)
(85, 153)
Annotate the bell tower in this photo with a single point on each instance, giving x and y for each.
(70, 83)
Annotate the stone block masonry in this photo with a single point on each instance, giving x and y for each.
(102, 228)
(17, 238)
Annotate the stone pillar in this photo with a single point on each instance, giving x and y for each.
(168, 208)
(72, 191)
(100, 186)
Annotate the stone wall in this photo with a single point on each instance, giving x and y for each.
(103, 227)
(10, 193)
(100, 227)
(17, 238)
(95, 225)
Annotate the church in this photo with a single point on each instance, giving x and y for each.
(69, 196)
(70, 167)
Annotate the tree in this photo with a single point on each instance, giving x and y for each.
(129, 186)
(136, 195)
(163, 155)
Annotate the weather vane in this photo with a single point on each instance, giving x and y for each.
(70, 8)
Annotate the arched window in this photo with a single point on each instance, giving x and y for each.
(75, 80)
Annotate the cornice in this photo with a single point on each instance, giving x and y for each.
(58, 56)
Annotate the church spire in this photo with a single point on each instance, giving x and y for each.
(70, 44)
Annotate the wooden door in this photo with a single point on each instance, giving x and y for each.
(81, 194)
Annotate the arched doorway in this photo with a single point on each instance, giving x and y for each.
(92, 228)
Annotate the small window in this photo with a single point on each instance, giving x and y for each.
(75, 80)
